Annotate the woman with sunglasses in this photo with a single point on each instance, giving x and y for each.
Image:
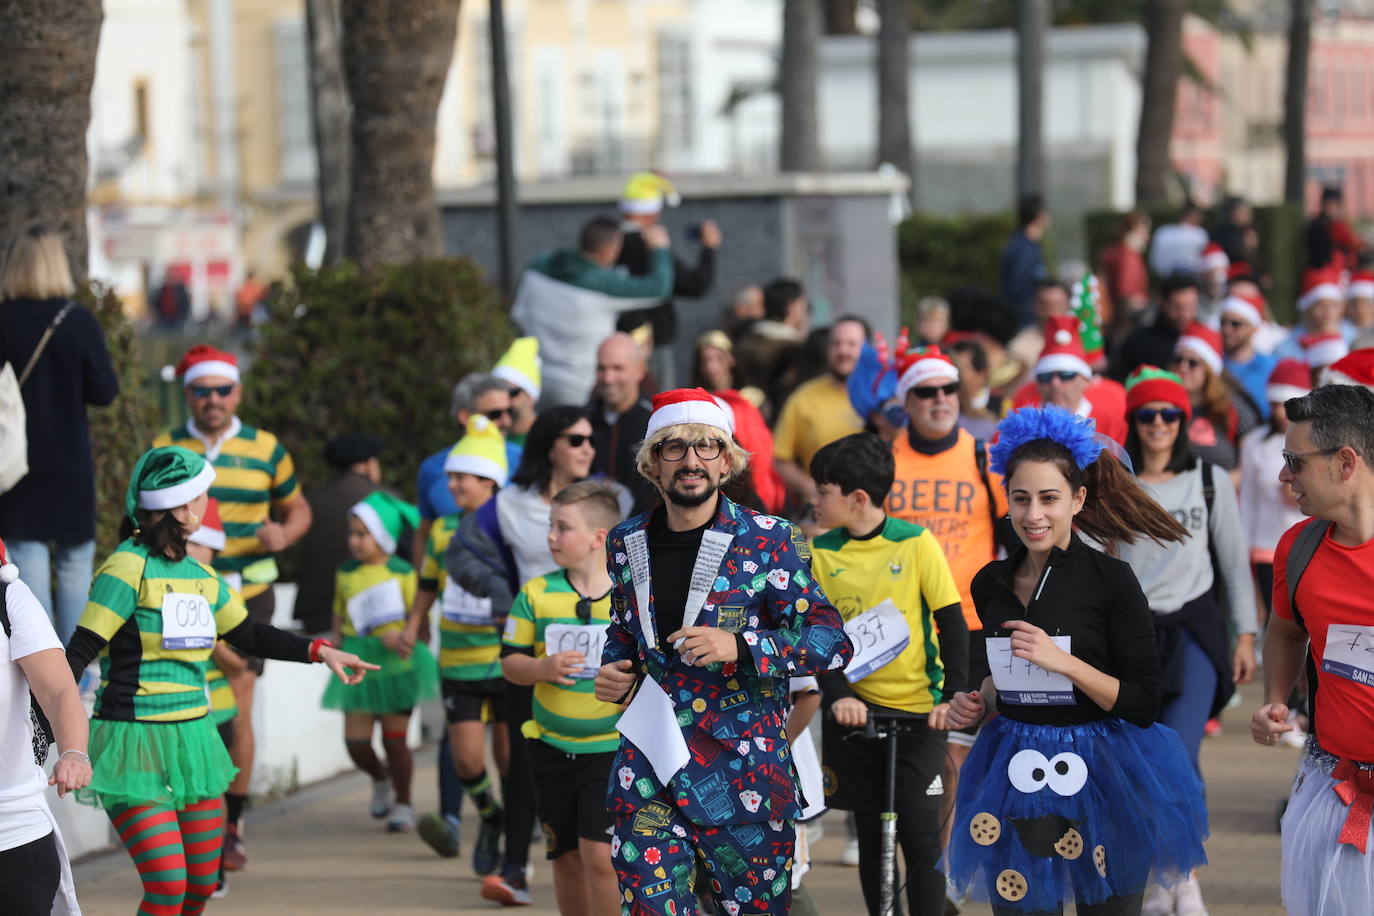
(1199, 665)
(1221, 410)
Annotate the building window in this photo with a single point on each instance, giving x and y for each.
(142, 122)
(675, 93)
(295, 128)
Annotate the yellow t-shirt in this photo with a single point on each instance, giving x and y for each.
(816, 414)
(354, 578)
(905, 563)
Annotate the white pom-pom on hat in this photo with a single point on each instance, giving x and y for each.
(9, 573)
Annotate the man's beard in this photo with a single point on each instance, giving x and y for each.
(690, 500)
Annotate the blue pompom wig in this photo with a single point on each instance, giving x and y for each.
(1075, 433)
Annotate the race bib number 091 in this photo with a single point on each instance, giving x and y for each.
(589, 639)
(187, 622)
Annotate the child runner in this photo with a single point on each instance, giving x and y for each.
(867, 561)
(469, 650)
(1073, 792)
(553, 641)
(371, 595)
(153, 616)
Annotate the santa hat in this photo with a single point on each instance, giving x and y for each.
(386, 517)
(1063, 350)
(166, 478)
(922, 365)
(686, 405)
(1361, 285)
(1214, 257)
(1248, 307)
(211, 531)
(1323, 349)
(728, 410)
(1237, 269)
(8, 571)
(520, 366)
(1151, 383)
(1356, 368)
(481, 452)
(1319, 283)
(1290, 379)
(647, 192)
(1202, 342)
(202, 360)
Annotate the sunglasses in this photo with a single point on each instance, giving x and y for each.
(584, 609)
(498, 413)
(1064, 375)
(1233, 323)
(926, 392)
(1294, 461)
(201, 392)
(1146, 416)
(576, 440)
(1189, 362)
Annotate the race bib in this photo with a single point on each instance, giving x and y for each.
(1021, 683)
(461, 606)
(373, 607)
(589, 639)
(187, 622)
(1350, 652)
(879, 635)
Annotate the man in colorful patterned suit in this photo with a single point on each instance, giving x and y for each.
(714, 605)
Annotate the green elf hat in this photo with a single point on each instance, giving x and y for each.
(482, 452)
(1086, 302)
(386, 517)
(165, 478)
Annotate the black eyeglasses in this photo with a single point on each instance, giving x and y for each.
(576, 440)
(926, 392)
(1294, 461)
(498, 413)
(676, 449)
(1233, 323)
(1064, 375)
(1146, 416)
(201, 392)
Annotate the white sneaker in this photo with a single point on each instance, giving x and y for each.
(1188, 898)
(850, 856)
(382, 798)
(401, 819)
(1159, 901)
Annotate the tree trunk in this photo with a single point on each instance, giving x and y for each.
(841, 17)
(1295, 102)
(799, 144)
(396, 55)
(1159, 97)
(332, 117)
(48, 48)
(894, 88)
(1031, 24)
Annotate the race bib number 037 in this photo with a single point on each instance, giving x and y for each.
(879, 635)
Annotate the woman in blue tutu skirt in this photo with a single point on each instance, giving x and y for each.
(1072, 792)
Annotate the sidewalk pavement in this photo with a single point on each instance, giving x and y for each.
(319, 851)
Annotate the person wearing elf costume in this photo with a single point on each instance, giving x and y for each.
(520, 366)
(473, 689)
(1072, 792)
(374, 591)
(153, 616)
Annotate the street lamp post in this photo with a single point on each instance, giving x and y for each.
(505, 153)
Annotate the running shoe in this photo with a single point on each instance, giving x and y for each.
(508, 889)
(401, 819)
(486, 855)
(221, 887)
(1188, 898)
(850, 856)
(1159, 901)
(441, 833)
(382, 798)
(234, 857)
(1212, 728)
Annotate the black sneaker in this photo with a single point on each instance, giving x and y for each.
(441, 833)
(486, 854)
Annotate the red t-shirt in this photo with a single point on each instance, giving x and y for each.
(1336, 588)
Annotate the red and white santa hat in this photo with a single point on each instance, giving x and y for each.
(1323, 349)
(1202, 342)
(1361, 285)
(1248, 307)
(204, 360)
(1356, 368)
(1063, 350)
(686, 405)
(8, 571)
(211, 531)
(1290, 379)
(1319, 283)
(922, 365)
(1214, 257)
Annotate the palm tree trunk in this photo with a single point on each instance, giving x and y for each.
(1031, 24)
(332, 117)
(799, 144)
(396, 55)
(841, 17)
(48, 48)
(894, 88)
(1295, 102)
(1159, 95)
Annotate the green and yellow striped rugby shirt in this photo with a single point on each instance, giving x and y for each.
(467, 651)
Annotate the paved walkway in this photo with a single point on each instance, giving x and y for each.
(319, 852)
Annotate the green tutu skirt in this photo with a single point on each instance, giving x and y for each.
(397, 688)
(155, 763)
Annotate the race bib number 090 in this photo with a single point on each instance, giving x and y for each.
(589, 639)
(187, 622)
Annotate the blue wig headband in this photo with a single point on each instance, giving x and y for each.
(1077, 434)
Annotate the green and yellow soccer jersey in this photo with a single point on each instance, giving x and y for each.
(223, 707)
(392, 602)
(467, 651)
(142, 679)
(903, 562)
(570, 718)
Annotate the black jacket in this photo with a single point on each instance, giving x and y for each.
(617, 445)
(1152, 344)
(691, 282)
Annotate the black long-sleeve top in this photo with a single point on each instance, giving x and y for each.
(1092, 598)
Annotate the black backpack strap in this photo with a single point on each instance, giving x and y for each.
(1299, 555)
(4, 607)
(42, 729)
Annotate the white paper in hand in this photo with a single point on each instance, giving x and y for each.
(589, 639)
(879, 635)
(650, 722)
(1022, 683)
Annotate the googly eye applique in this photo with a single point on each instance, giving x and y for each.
(1029, 771)
(1068, 774)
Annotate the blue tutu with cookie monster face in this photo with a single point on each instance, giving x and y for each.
(1048, 815)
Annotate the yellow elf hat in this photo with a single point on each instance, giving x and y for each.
(520, 364)
(481, 452)
(648, 192)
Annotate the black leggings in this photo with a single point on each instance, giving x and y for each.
(517, 790)
(918, 838)
(29, 876)
(1125, 905)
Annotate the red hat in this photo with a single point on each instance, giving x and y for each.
(1361, 285)
(1214, 257)
(922, 365)
(8, 571)
(203, 359)
(686, 405)
(1323, 349)
(1063, 350)
(1249, 307)
(1319, 283)
(1354, 369)
(1202, 342)
(1237, 269)
(1151, 383)
(211, 531)
(1290, 379)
